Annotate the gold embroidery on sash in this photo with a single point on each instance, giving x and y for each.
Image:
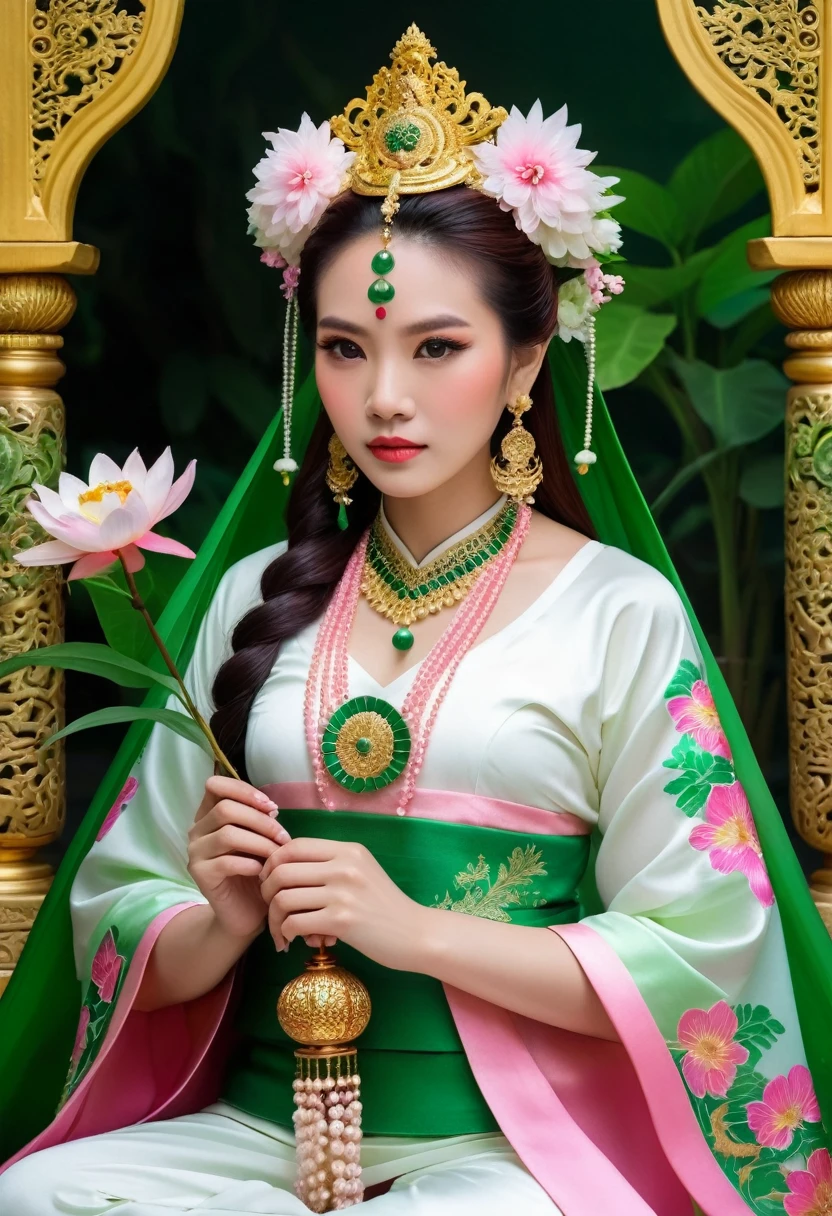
(482, 897)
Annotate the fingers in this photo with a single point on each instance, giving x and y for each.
(238, 791)
(304, 924)
(303, 848)
(231, 839)
(316, 940)
(275, 928)
(282, 875)
(237, 814)
(300, 899)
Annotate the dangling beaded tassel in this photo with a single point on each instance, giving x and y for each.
(587, 457)
(286, 465)
(324, 1008)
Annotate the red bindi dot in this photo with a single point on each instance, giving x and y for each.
(381, 313)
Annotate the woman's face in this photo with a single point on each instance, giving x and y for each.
(414, 397)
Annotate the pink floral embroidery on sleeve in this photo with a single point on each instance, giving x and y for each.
(730, 837)
(788, 1102)
(106, 967)
(710, 1063)
(810, 1190)
(696, 715)
(128, 792)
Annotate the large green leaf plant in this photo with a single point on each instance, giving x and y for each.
(688, 331)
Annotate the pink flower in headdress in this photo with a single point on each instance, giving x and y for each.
(129, 790)
(290, 281)
(787, 1103)
(106, 967)
(731, 839)
(271, 257)
(696, 715)
(810, 1190)
(296, 180)
(710, 1064)
(80, 1036)
(535, 170)
(599, 283)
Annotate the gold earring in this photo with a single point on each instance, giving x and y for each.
(341, 476)
(518, 470)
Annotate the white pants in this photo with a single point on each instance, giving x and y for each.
(226, 1163)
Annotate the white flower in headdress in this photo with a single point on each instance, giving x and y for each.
(296, 181)
(575, 307)
(536, 171)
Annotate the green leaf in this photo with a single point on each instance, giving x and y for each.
(718, 177)
(729, 274)
(629, 339)
(183, 724)
(756, 1027)
(730, 312)
(694, 799)
(648, 207)
(691, 520)
(763, 482)
(684, 678)
(108, 585)
(681, 479)
(124, 628)
(648, 286)
(93, 658)
(739, 404)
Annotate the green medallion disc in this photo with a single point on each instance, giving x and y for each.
(365, 744)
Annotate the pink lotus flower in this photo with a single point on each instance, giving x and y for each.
(80, 1036)
(810, 1190)
(114, 514)
(696, 715)
(128, 791)
(710, 1064)
(535, 170)
(296, 181)
(731, 839)
(787, 1103)
(106, 967)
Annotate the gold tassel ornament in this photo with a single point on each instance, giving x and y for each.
(324, 1009)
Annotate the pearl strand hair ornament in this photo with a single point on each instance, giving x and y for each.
(586, 456)
(286, 464)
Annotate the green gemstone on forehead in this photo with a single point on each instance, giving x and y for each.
(402, 136)
(383, 262)
(381, 292)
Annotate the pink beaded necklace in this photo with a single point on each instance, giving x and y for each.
(327, 685)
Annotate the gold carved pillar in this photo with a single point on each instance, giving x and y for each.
(71, 73)
(760, 64)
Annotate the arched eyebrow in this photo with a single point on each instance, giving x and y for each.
(444, 321)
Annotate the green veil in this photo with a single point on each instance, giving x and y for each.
(39, 1010)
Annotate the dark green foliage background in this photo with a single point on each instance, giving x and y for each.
(177, 337)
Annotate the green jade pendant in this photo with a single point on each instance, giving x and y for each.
(403, 638)
(365, 744)
(380, 291)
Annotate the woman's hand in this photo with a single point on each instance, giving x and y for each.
(233, 833)
(329, 888)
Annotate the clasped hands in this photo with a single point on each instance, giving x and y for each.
(241, 858)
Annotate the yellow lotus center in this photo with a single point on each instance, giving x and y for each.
(710, 1051)
(792, 1116)
(96, 493)
(735, 832)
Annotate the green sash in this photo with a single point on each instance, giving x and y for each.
(415, 1077)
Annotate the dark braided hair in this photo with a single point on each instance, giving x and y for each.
(521, 287)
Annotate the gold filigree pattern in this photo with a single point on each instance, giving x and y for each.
(416, 121)
(77, 47)
(809, 612)
(773, 46)
(482, 897)
(325, 1005)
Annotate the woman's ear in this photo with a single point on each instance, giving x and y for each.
(526, 362)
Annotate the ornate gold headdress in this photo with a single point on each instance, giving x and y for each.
(418, 130)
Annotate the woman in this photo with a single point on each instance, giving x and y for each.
(521, 821)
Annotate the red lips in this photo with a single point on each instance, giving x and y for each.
(393, 449)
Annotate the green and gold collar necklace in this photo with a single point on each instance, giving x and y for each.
(405, 590)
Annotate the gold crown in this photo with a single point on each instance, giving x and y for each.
(413, 131)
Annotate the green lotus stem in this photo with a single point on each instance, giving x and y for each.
(139, 605)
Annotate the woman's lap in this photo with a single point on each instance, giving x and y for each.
(209, 1163)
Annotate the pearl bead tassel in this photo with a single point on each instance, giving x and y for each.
(328, 1139)
(327, 685)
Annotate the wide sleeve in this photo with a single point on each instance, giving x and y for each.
(135, 877)
(688, 955)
